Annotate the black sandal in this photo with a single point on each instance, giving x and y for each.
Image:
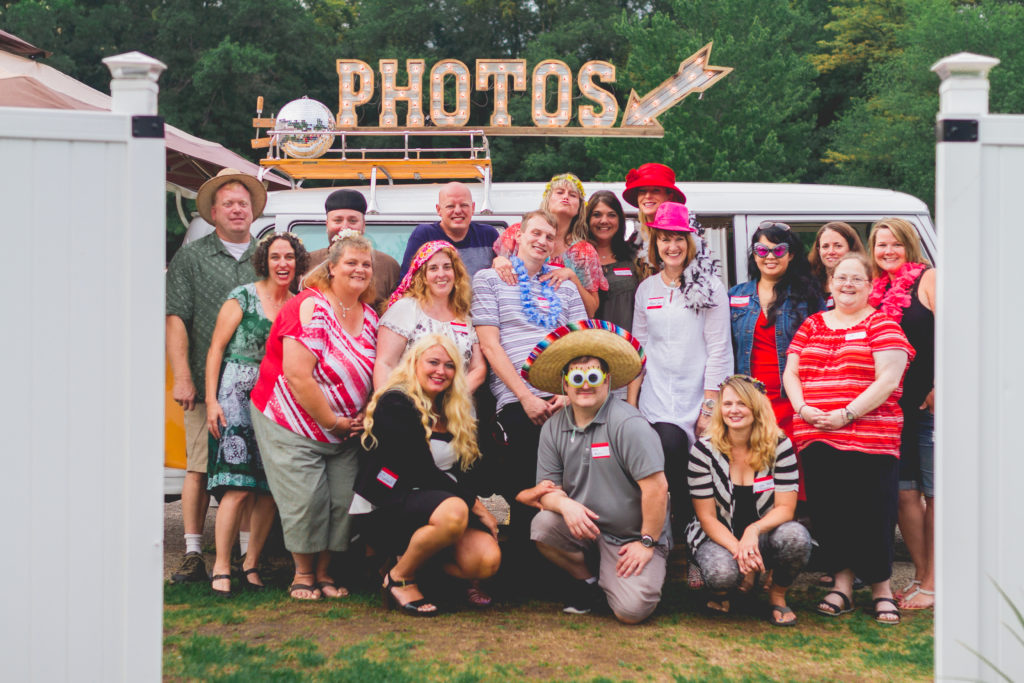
(877, 613)
(220, 591)
(412, 608)
(827, 609)
(249, 584)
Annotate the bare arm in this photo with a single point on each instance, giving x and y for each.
(184, 391)
(578, 517)
(227, 322)
(537, 409)
(795, 391)
(477, 372)
(390, 346)
(633, 557)
(704, 508)
(889, 366)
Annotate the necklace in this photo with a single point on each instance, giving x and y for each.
(345, 309)
(526, 298)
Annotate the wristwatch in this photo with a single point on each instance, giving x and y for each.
(708, 404)
(648, 541)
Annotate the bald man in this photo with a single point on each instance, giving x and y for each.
(474, 241)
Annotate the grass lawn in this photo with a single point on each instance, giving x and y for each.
(268, 637)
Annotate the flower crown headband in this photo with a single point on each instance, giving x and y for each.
(274, 235)
(758, 384)
(572, 179)
(345, 234)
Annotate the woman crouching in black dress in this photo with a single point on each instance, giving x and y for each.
(420, 437)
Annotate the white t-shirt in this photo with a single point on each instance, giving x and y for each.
(236, 249)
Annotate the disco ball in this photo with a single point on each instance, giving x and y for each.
(302, 120)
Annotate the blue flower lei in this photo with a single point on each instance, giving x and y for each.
(529, 306)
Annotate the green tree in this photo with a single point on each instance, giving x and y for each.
(887, 138)
(751, 126)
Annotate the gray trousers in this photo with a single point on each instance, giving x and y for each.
(311, 482)
(786, 549)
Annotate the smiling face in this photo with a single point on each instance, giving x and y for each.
(831, 247)
(604, 223)
(672, 248)
(772, 267)
(231, 212)
(850, 285)
(455, 206)
(439, 275)
(435, 371)
(536, 240)
(281, 262)
(586, 396)
(735, 413)
(341, 219)
(889, 254)
(564, 200)
(353, 272)
(648, 199)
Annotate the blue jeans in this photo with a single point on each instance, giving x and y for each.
(917, 465)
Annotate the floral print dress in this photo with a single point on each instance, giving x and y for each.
(235, 461)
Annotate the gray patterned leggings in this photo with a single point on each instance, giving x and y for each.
(786, 549)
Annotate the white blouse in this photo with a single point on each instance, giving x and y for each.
(405, 318)
(687, 351)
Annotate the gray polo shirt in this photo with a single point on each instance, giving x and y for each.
(600, 465)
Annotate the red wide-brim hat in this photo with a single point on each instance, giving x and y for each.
(651, 175)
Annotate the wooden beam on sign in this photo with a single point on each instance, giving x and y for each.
(260, 143)
(649, 131)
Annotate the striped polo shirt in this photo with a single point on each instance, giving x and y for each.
(835, 367)
(499, 305)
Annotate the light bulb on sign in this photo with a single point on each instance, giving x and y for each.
(604, 72)
(412, 93)
(460, 74)
(563, 109)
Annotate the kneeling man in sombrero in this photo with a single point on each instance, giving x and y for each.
(600, 472)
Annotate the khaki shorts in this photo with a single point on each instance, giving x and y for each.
(197, 439)
(632, 598)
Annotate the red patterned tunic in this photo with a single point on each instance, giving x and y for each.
(835, 367)
(343, 371)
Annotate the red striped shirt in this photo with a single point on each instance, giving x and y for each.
(835, 367)
(343, 371)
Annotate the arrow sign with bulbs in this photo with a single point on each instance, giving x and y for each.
(694, 75)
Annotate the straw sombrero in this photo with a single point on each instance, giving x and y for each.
(204, 198)
(598, 338)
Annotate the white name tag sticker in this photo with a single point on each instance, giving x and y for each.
(600, 450)
(739, 301)
(854, 336)
(764, 484)
(460, 328)
(622, 272)
(387, 477)
(655, 302)
(543, 302)
(830, 303)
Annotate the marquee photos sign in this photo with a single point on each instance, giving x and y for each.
(441, 98)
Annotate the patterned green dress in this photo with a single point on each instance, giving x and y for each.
(235, 461)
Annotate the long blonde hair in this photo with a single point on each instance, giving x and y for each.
(764, 433)
(461, 296)
(454, 401)
(320, 277)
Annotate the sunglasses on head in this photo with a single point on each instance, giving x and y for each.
(764, 225)
(758, 384)
(595, 377)
(778, 251)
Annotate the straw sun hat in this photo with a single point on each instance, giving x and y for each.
(204, 198)
(597, 338)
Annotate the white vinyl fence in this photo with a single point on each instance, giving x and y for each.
(81, 413)
(979, 377)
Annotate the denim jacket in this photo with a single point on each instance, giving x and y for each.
(745, 308)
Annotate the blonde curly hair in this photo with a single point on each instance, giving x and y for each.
(461, 296)
(453, 402)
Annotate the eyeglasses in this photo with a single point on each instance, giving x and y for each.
(595, 377)
(778, 251)
(758, 384)
(856, 280)
(765, 225)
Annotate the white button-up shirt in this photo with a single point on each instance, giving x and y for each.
(687, 351)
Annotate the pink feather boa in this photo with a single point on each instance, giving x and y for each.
(892, 294)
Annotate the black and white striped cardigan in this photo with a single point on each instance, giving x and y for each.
(708, 477)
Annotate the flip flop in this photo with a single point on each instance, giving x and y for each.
(295, 587)
(906, 590)
(827, 609)
(913, 594)
(342, 592)
(776, 613)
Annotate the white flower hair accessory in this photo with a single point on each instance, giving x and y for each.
(345, 234)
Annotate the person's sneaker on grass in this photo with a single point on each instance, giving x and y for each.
(583, 597)
(192, 568)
